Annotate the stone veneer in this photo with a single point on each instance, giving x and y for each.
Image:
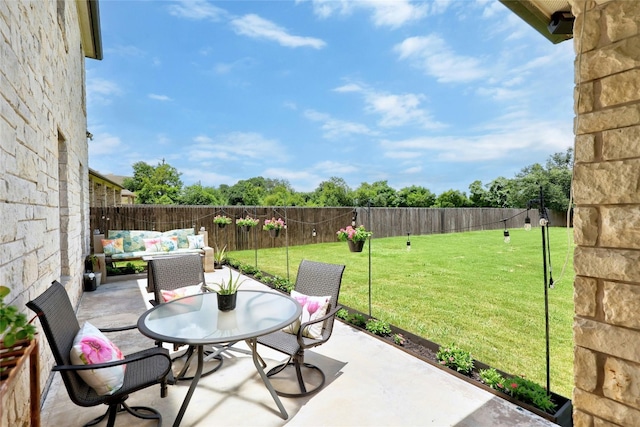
(607, 215)
(43, 165)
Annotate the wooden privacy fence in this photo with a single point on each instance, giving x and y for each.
(306, 225)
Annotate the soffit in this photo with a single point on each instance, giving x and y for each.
(537, 13)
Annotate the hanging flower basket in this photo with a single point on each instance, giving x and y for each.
(274, 233)
(246, 223)
(221, 225)
(221, 221)
(273, 226)
(355, 246)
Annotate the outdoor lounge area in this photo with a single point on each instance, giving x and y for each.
(368, 382)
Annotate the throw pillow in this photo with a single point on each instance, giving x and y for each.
(196, 241)
(312, 308)
(180, 292)
(153, 245)
(112, 246)
(90, 346)
(169, 244)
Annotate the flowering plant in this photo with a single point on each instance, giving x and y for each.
(273, 224)
(357, 234)
(221, 219)
(247, 221)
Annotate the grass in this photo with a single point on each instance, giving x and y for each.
(470, 289)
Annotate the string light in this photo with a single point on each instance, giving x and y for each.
(507, 238)
(408, 243)
(354, 217)
(527, 222)
(313, 233)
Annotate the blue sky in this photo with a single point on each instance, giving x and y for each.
(430, 93)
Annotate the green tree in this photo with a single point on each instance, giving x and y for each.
(415, 197)
(380, 194)
(155, 185)
(478, 195)
(196, 194)
(499, 193)
(452, 199)
(334, 192)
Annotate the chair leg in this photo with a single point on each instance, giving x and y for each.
(297, 363)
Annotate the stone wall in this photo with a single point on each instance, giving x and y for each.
(607, 215)
(43, 164)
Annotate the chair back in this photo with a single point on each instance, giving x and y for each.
(170, 273)
(61, 326)
(321, 279)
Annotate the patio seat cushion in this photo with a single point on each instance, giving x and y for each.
(313, 308)
(90, 347)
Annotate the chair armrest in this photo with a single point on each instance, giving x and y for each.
(128, 359)
(119, 329)
(311, 322)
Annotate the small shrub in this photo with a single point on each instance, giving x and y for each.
(399, 339)
(233, 263)
(343, 314)
(378, 327)
(454, 357)
(492, 378)
(258, 276)
(248, 269)
(358, 320)
(529, 392)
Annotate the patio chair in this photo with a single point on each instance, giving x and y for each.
(144, 368)
(314, 279)
(171, 273)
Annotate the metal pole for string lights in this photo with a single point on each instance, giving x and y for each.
(369, 244)
(544, 223)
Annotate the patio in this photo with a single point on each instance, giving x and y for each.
(369, 383)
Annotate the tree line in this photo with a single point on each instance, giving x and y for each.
(161, 184)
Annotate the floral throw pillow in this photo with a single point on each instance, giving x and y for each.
(180, 292)
(113, 246)
(169, 244)
(153, 245)
(90, 346)
(196, 241)
(312, 308)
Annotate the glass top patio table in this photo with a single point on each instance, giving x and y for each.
(196, 320)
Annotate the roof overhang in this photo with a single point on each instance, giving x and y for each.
(545, 16)
(89, 17)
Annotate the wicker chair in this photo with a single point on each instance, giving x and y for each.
(314, 279)
(173, 272)
(144, 368)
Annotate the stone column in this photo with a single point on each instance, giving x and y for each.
(607, 215)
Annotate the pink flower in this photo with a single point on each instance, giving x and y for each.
(514, 385)
(313, 306)
(96, 350)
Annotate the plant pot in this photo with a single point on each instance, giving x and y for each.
(274, 233)
(227, 302)
(217, 265)
(356, 246)
(89, 282)
(221, 225)
(245, 228)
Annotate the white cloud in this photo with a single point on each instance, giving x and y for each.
(197, 10)
(104, 143)
(394, 109)
(259, 28)
(392, 14)
(102, 90)
(331, 168)
(497, 140)
(237, 146)
(335, 128)
(159, 97)
(432, 55)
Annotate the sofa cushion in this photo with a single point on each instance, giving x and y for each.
(112, 246)
(181, 233)
(140, 254)
(196, 241)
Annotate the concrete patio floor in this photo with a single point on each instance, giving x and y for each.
(369, 382)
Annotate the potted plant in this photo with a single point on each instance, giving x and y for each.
(221, 220)
(247, 222)
(227, 291)
(14, 326)
(219, 257)
(273, 226)
(354, 236)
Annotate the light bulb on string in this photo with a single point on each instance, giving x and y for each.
(313, 233)
(354, 217)
(507, 238)
(527, 223)
(408, 243)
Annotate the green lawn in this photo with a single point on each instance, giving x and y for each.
(470, 289)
